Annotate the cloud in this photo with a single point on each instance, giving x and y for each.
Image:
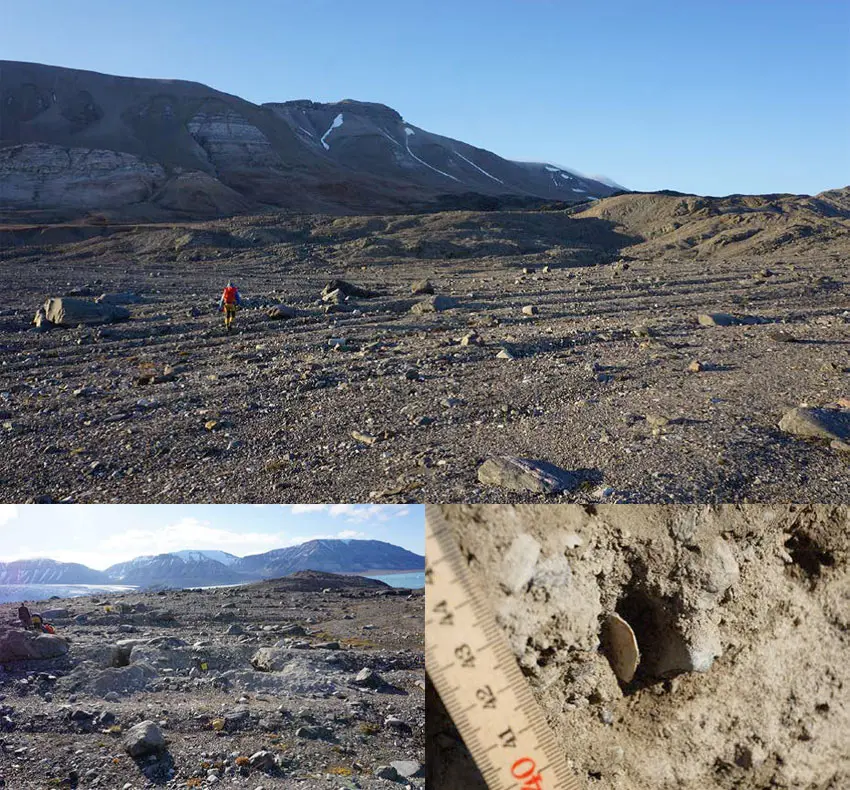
(355, 513)
(188, 533)
(296, 509)
(8, 513)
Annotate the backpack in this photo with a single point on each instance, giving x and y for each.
(229, 295)
(36, 621)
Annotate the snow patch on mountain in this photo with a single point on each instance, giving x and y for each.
(408, 132)
(200, 556)
(457, 153)
(337, 122)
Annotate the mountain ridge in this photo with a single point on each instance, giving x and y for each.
(86, 141)
(196, 569)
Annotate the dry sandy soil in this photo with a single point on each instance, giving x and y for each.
(599, 383)
(742, 615)
(188, 661)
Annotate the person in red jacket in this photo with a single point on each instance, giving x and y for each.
(229, 302)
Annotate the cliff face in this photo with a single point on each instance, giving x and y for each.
(81, 140)
(38, 174)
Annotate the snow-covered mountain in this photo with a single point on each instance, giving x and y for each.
(83, 141)
(336, 556)
(44, 571)
(171, 570)
(197, 556)
(208, 568)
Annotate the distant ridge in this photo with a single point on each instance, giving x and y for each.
(202, 569)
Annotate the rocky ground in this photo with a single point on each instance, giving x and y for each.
(741, 617)
(273, 685)
(571, 339)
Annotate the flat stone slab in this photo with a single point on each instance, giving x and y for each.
(728, 319)
(524, 474)
(832, 424)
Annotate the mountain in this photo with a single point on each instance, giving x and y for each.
(336, 556)
(220, 556)
(83, 141)
(171, 570)
(210, 568)
(44, 571)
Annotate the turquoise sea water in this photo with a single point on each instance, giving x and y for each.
(15, 593)
(413, 580)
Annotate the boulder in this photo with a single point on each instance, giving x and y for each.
(281, 312)
(67, 311)
(144, 739)
(526, 475)
(56, 614)
(433, 304)
(832, 424)
(27, 645)
(368, 678)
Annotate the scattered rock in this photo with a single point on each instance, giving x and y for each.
(433, 304)
(524, 474)
(530, 309)
(368, 678)
(408, 769)
(818, 423)
(281, 312)
(144, 739)
(421, 287)
(387, 772)
(348, 289)
(119, 298)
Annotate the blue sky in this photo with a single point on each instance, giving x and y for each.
(710, 97)
(101, 535)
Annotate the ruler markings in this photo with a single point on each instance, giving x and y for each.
(509, 717)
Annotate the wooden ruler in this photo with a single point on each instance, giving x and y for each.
(470, 662)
